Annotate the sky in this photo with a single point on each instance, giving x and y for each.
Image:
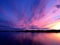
(22, 13)
(29, 13)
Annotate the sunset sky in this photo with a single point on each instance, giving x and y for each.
(30, 14)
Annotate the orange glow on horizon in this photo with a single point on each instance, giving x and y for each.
(54, 25)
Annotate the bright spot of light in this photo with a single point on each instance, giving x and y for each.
(55, 25)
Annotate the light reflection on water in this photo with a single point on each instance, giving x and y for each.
(45, 38)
